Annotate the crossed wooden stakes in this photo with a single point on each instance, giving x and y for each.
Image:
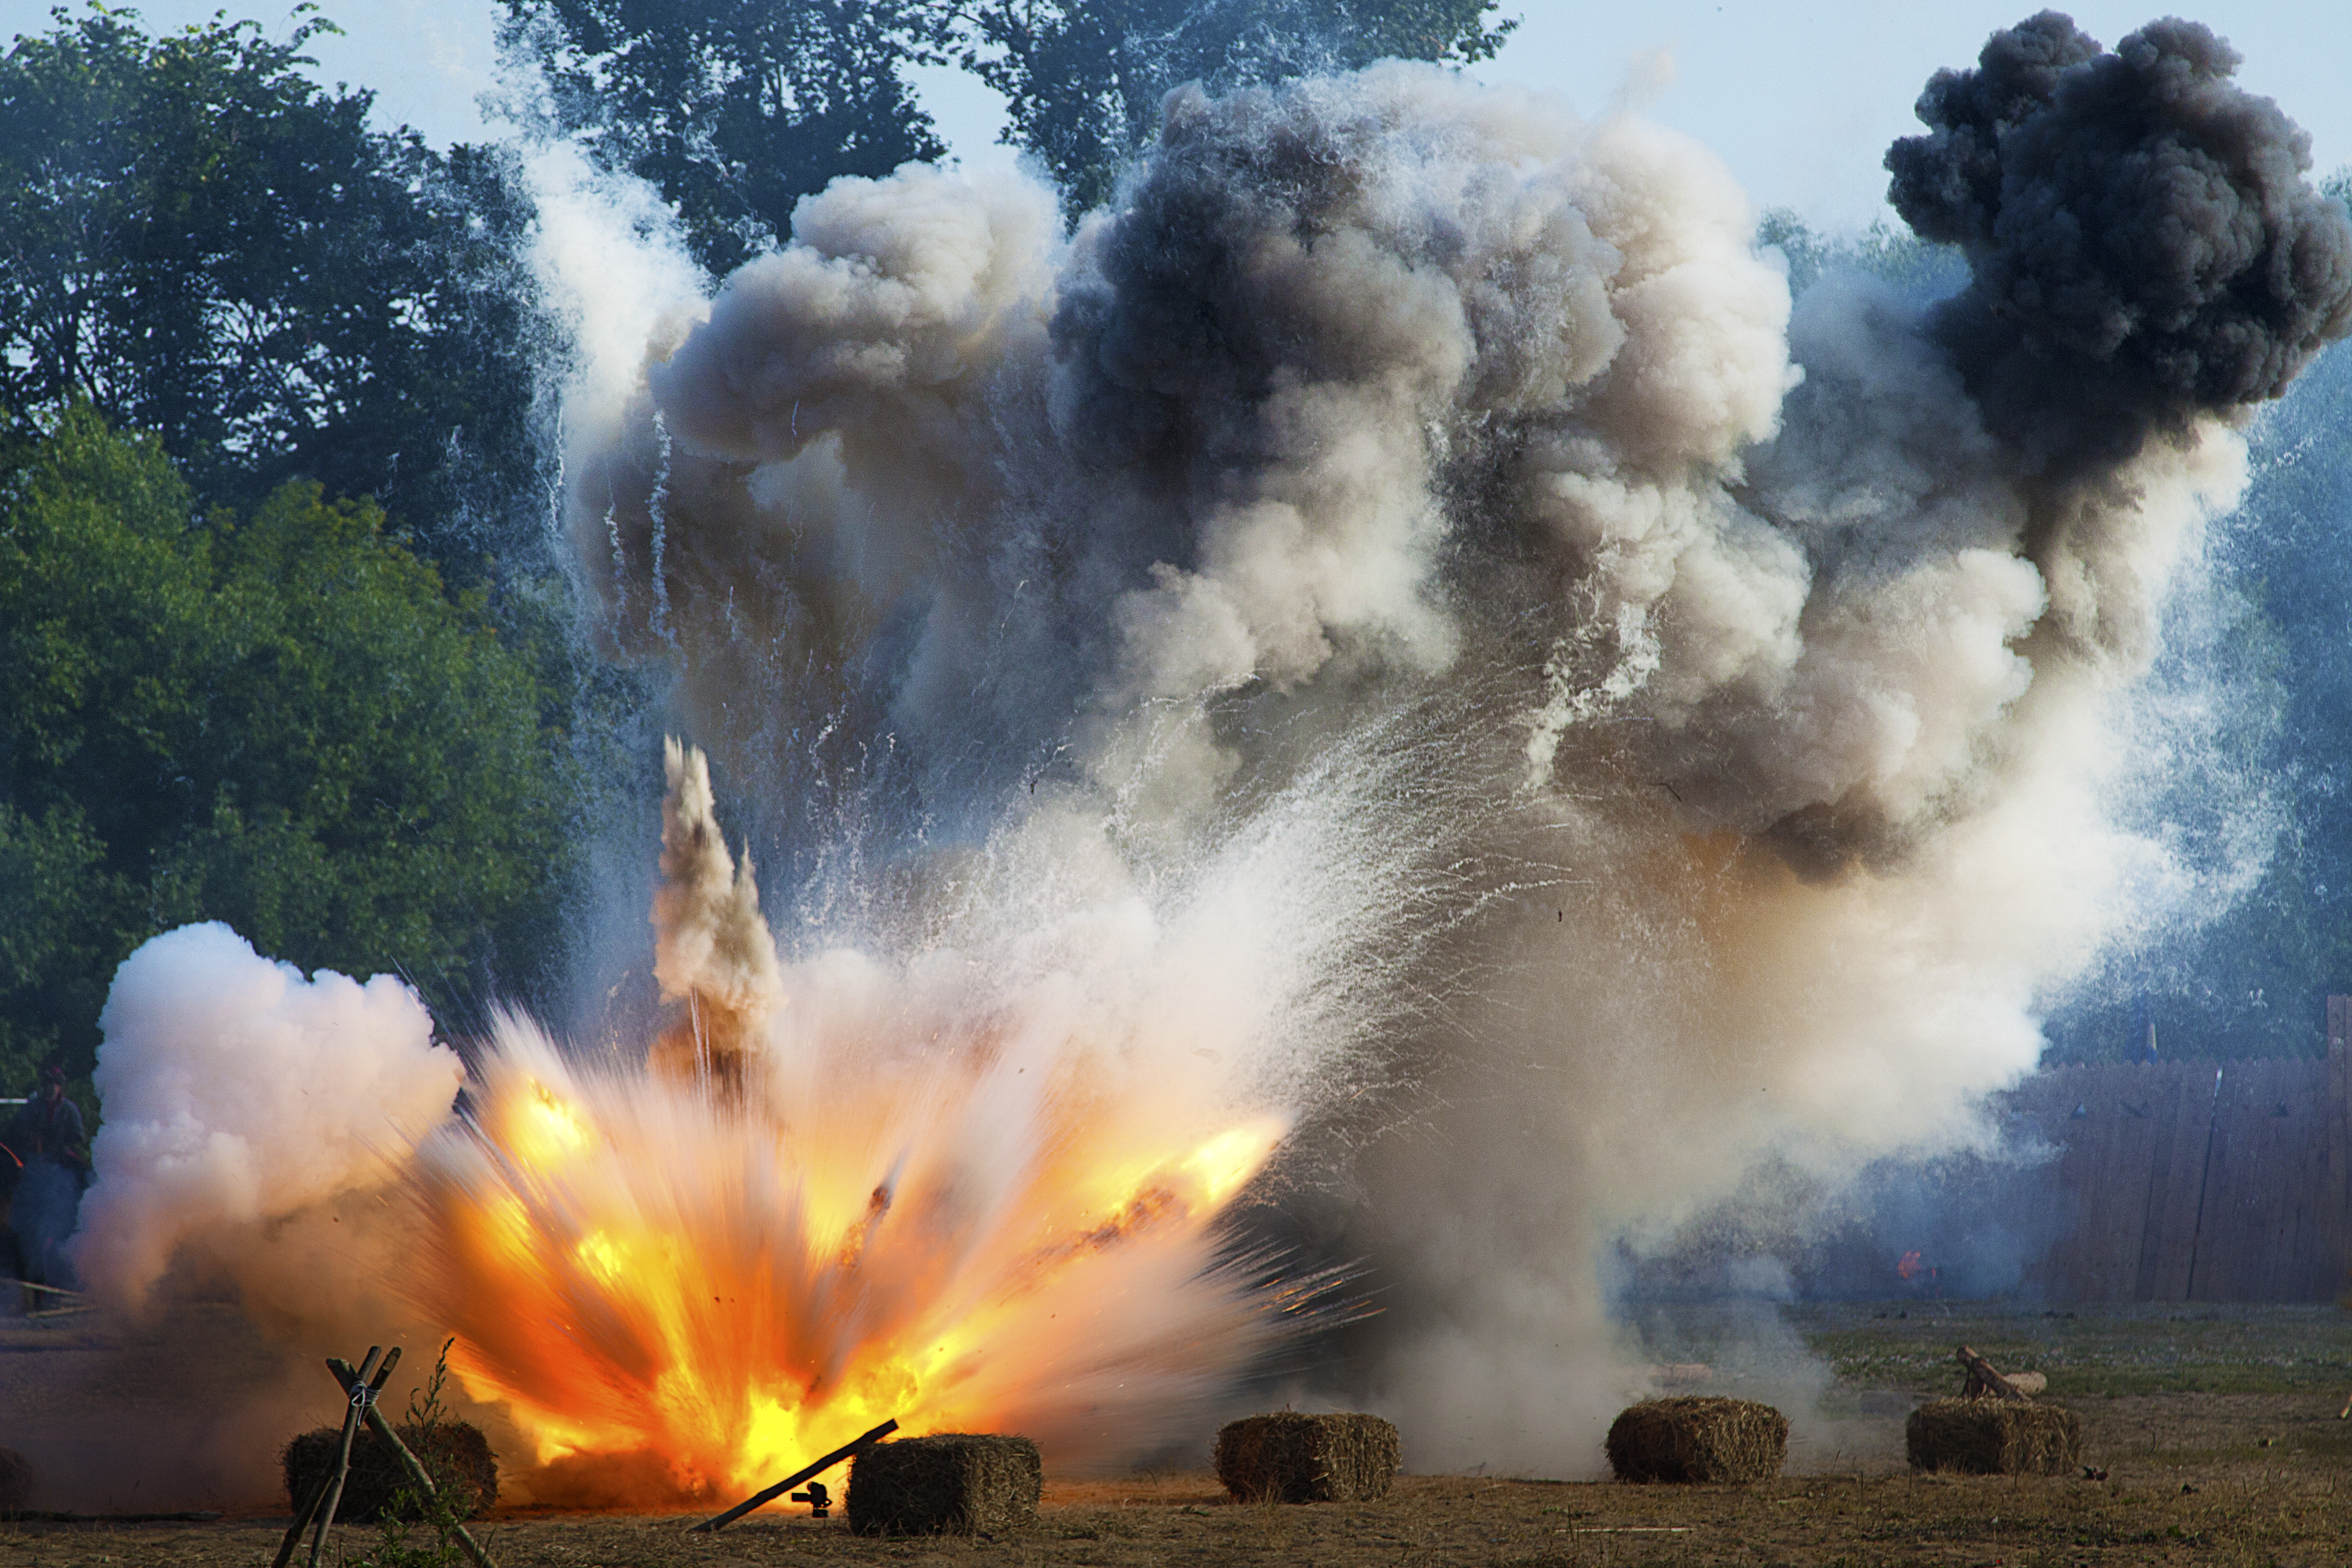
(361, 1386)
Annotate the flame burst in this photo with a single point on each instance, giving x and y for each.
(775, 1237)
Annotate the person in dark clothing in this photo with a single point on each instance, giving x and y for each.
(47, 1136)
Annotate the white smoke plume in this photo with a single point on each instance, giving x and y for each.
(242, 1099)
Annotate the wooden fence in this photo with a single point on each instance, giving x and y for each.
(2196, 1180)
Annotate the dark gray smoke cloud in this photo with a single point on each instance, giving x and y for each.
(2143, 241)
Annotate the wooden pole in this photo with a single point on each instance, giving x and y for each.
(1984, 1378)
(331, 1477)
(358, 1401)
(302, 1518)
(797, 1477)
(346, 1376)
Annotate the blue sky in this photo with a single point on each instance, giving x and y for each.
(1799, 99)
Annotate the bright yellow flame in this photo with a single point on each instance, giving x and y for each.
(604, 1259)
(1225, 1164)
(632, 1265)
(544, 1126)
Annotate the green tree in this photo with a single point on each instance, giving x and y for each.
(734, 109)
(1085, 77)
(201, 242)
(285, 723)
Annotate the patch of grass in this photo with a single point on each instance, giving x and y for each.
(2088, 1352)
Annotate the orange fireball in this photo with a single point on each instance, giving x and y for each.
(736, 1270)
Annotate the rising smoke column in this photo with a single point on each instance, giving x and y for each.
(2146, 256)
(2143, 243)
(713, 954)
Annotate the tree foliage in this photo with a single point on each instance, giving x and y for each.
(285, 723)
(1085, 77)
(200, 242)
(734, 109)
(1893, 255)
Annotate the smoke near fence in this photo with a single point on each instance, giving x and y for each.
(1395, 625)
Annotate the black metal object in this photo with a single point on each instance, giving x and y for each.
(820, 1501)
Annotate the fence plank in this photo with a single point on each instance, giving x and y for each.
(2176, 1226)
(2186, 1181)
(2340, 1141)
(2250, 1241)
(2167, 1137)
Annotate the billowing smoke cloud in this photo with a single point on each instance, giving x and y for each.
(2142, 239)
(1757, 671)
(239, 1094)
(2144, 249)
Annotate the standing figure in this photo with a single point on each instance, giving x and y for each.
(48, 1137)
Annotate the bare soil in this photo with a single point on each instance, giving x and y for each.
(2240, 1461)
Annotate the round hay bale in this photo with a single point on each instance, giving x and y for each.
(952, 1483)
(1994, 1438)
(15, 1481)
(1698, 1439)
(456, 1449)
(1292, 1457)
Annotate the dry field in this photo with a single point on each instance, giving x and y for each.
(2218, 1428)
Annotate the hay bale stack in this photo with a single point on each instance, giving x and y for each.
(954, 1483)
(1290, 1456)
(1994, 1438)
(456, 1449)
(15, 1481)
(1698, 1439)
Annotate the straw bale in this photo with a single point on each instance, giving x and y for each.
(1291, 1456)
(15, 1481)
(458, 1449)
(1994, 1438)
(1698, 1439)
(953, 1483)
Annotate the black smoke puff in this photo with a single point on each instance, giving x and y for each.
(2142, 240)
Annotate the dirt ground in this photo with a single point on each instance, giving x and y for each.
(2218, 1428)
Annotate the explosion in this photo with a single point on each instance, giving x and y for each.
(777, 1239)
(1385, 702)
